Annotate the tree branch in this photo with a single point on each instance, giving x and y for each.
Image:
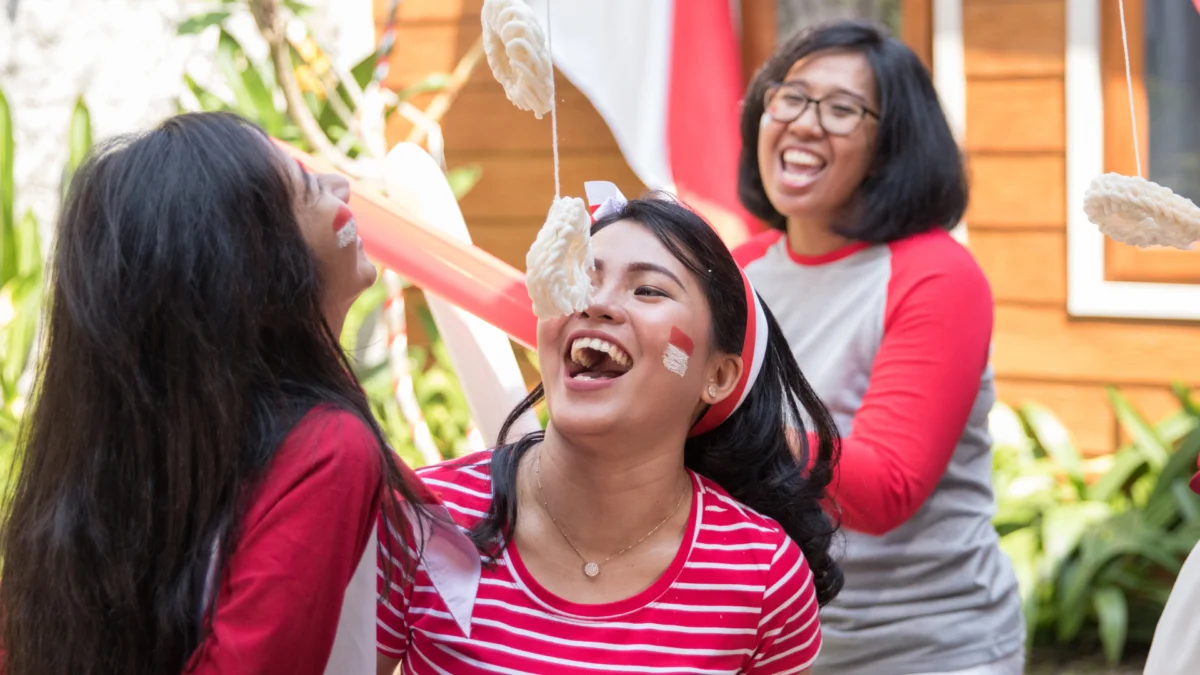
(273, 26)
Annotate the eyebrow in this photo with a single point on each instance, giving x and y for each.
(646, 267)
(836, 90)
(308, 191)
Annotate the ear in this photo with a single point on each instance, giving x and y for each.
(720, 377)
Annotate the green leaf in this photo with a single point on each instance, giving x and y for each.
(1055, 439)
(1128, 462)
(363, 70)
(1145, 439)
(1184, 395)
(298, 7)
(1182, 464)
(196, 24)
(1187, 501)
(208, 100)
(7, 192)
(1112, 613)
(80, 142)
(462, 179)
(1062, 528)
(29, 247)
(254, 99)
(25, 294)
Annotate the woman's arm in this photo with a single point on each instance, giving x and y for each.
(302, 537)
(923, 384)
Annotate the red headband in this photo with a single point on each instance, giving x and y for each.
(754, 349)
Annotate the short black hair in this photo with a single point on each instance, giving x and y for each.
(917, 180)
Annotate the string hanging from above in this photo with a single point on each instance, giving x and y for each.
(559, 261)
(1136, 211)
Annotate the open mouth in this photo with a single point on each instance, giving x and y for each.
(800, 167)
(597, 359)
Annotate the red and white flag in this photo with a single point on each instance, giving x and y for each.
(666, 75)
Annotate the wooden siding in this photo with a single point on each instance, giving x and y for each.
(1015, 142)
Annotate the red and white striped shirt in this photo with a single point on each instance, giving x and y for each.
(738, 598)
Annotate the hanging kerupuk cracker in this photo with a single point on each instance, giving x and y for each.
(1136, 211)
(558, 264)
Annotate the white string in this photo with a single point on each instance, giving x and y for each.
(553, 105)
(1137, 153)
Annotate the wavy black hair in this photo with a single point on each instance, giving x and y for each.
(916, 180)
(184, 340)
(748, 455)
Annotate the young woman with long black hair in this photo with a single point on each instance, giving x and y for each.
(200, 477)
(661, 523)
(847, 155)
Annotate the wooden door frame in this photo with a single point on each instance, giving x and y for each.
(1089, 292)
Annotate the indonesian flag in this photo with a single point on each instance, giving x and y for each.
(666, 75)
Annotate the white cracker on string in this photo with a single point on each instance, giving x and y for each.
(558, 264)
(1136, 211)
(517, 54)
(1141, 213)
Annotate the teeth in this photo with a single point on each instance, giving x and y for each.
(801, 157)
(587, 360)
(348, 234)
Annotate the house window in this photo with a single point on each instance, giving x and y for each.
(1164, 59)
(1172, 80)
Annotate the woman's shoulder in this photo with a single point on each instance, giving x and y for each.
(934, 253)
(463, 483)
(328, 440)
(732, 519)
(933, 270)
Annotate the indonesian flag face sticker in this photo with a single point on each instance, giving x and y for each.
(345, 227)
(679, 350)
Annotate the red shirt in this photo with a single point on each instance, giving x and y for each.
(738, 598)
(302, 538)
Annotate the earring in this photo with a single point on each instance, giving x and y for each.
(712, 391)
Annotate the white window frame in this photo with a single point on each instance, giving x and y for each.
(1089, 294)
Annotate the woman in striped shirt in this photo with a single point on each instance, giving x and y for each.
(661, 523)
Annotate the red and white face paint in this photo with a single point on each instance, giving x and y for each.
(679, 350)
(345, 227)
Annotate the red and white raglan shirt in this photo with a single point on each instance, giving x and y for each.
(738, 598)
(895, 340)
(298, 595)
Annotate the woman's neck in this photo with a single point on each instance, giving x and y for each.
(602, 497)
(813, 237)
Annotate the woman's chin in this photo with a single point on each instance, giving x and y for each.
(584, 420)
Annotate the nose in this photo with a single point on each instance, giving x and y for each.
(808, 123)
(605, 306)
(337, 185)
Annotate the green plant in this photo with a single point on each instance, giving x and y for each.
(21, 279)
(1096, 544)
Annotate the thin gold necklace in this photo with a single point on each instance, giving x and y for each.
(591, 568)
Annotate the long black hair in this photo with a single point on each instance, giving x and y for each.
(748, 455)
(184, 340)
(916, 181)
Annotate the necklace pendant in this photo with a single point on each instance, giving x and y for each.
(592, 570)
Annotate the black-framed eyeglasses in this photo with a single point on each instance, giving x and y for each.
(838, 114)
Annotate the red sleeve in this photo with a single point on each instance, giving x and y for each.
(755, 247)
(924, 382)
(790, 629)
(302, 538)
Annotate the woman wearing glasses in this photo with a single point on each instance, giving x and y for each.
(848, 157)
